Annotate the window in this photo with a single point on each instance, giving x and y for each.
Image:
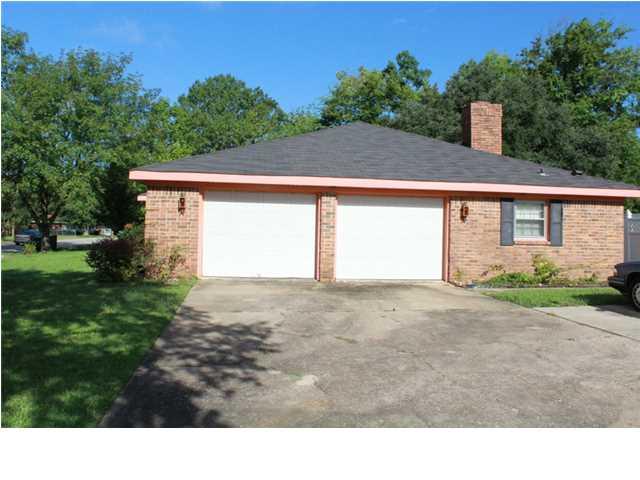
(530, 220)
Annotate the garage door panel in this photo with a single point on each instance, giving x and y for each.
(389, 238)
(251, 234)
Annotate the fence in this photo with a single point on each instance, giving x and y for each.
(631, 237)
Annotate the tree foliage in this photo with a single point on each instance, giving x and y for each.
(13, 212)
(585, 66)
(222, 112)
(532, 121)
(594, 77)
(375, 96)
(296, 123)
(71, 128)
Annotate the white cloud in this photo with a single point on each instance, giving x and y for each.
(125, 30)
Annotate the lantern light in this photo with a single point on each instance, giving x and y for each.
(464, 212)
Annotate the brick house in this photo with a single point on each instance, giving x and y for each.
(365, 202)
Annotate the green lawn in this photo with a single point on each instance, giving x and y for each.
(70, 343)
(560, 297)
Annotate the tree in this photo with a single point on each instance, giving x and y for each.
(375, 96)
(296, 123)
(13, 212)
(222, 112)
(13, 47)
(585, 66)
(67, 123)
(149, 137)
(587, 71)
(533, 125)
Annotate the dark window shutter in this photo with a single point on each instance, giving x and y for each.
(506, 221)
(555, 208)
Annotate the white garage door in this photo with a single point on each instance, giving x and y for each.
(258, 235)
(389, 238)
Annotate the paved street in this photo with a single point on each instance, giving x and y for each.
(67, 244)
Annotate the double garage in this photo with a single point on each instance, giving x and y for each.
(275, 235)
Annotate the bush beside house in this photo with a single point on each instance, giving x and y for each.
(130, 257)
(545, 274)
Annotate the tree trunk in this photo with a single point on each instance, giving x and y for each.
(45, 230)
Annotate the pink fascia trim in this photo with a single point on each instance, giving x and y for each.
(200, 231)
(333, 182)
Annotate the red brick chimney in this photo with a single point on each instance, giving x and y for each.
(482, 127)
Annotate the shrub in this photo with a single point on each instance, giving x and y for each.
(115, 260)
(544, 269)
(514, 279)
(129, 258)
(589, 280)
(561, 281)
(132, 232)
(545, 272)
(163, 268)
(30, 248)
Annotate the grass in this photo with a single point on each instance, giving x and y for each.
(560, 297)
(70, 343)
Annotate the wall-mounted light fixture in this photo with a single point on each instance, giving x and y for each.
(464, 212)
(182, 204)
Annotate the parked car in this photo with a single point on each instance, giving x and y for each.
(101, 230)
(27, 235)
(627, 281)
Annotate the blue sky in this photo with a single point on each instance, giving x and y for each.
(293, 50)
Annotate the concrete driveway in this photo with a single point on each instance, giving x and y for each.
(609, 318)
(302, 354)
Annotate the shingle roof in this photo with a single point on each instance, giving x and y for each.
(361, 150)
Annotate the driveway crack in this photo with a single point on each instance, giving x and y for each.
(588, 325)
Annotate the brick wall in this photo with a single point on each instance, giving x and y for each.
(327, 239)
(593, 240)
(167, 227)
(482, 127)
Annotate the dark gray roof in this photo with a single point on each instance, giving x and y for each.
(360, 150)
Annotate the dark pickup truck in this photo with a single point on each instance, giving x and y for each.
(627, 281)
